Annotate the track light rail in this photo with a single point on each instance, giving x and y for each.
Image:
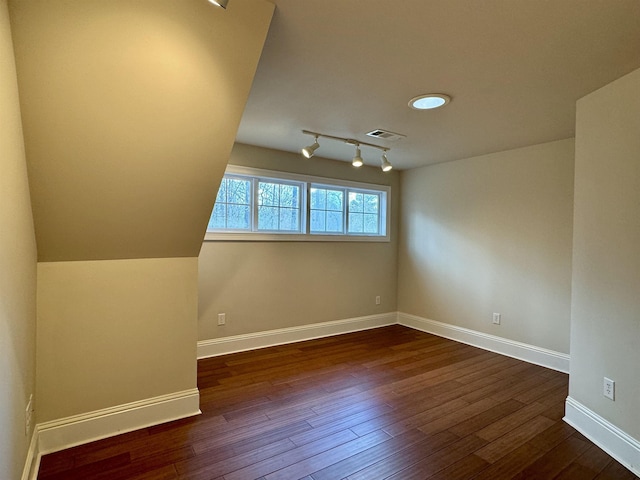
(349, 141)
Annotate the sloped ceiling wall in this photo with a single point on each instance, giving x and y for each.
(130, 110)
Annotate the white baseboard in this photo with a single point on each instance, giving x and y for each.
(71, 431)
(522, 351)
(32, 463)
(88, 427)
(270, 338)
(621, 446)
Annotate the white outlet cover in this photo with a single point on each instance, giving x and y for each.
(609, 388)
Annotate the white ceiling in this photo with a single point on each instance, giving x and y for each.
(514, 69)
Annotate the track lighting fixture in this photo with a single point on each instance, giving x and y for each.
(309, 151)
(357, 160)
(385, 165)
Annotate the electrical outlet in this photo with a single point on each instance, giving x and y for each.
(496, 318)
(222, 318)
(609, 388)
(28, 414)
(377, 299)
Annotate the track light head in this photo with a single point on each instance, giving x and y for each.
(385, 165)
(309, 151)
(357, 159)
(220, 3)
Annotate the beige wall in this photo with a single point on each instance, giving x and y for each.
(491, 234)
(130, 110)
(605, 319)
(114, 332)
(17, 270)
(269, 285)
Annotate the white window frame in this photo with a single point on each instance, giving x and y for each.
(306, 236)
(345, 200)
(302, 221)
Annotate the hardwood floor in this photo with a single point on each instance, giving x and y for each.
(390, 403)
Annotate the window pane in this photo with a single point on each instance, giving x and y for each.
(370, 223)
(370, 203)
(335, 200)
(289, 196)
(355, 202)
(334, 222)
(222, 191)
(288, 219)
(238, 217)
(317, 221)
(267, 218)
(268, 194)
(217, 219)
(356, 223)
(318, 198)
(238, 191)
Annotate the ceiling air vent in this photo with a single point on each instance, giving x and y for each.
(385, 135)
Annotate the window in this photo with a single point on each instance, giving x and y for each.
(327, 210)
(232, 210)
(279, 206)
(257, 204)
(364, 213)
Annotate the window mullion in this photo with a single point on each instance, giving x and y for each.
(346, 211)
(254, 206)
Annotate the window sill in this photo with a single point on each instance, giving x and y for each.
(290, 237)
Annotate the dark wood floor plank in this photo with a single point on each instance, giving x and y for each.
(369, 456)
(319, 461)
(512, 440)
(437, 461)
(404, 458)
(387, 403)
(55, 463)
(451, 419)
(511, 464)
(540, 392)
(615, 471)
(206, 466)
(511, 421)
(150, 465)
(167, 472)
(554, 461)
(587, 466)
(290, 457)
(92, 470)
(428, 411)
(463, 469)
(476, 422)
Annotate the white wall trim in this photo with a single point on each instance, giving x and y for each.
(67, 432)
(32, 462)
(617, 443)
(240, 343)
(71, 431)
(522, 351)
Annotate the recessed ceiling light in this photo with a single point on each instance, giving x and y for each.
(429, 101)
